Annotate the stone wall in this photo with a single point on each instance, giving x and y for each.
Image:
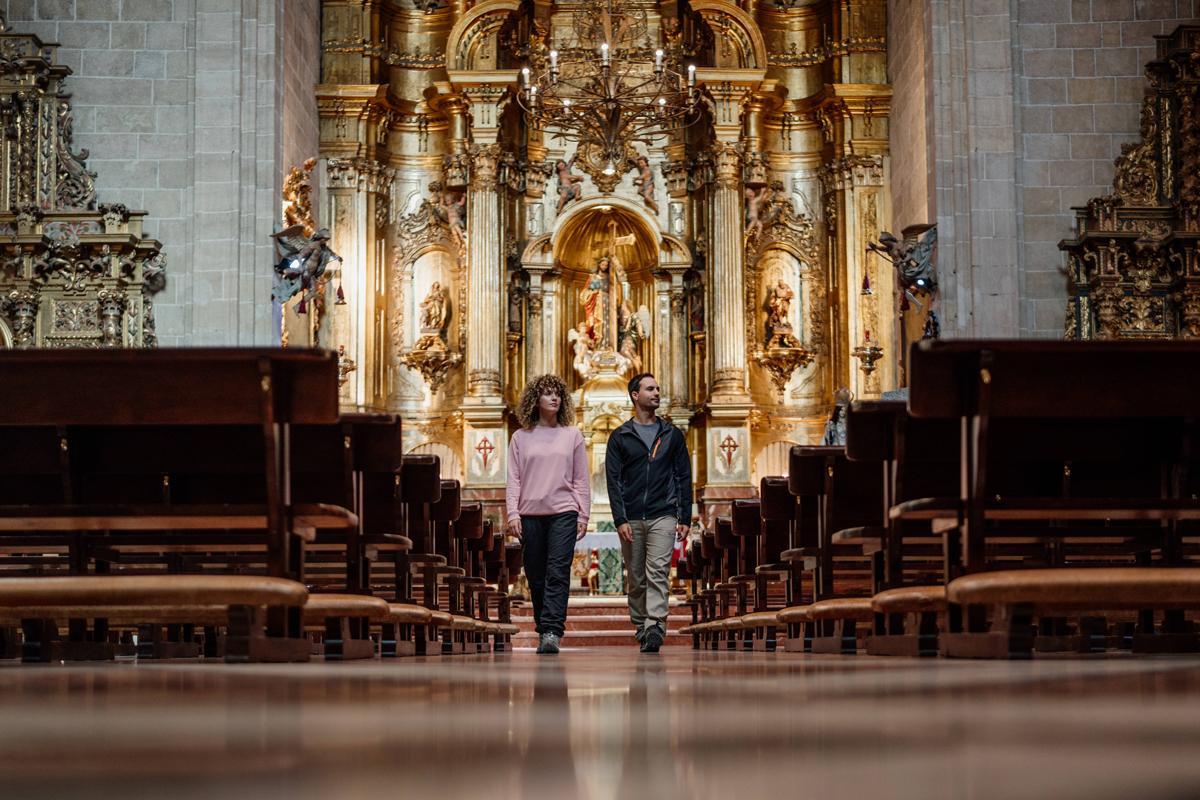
(181, 105)
(908, 62)
(1080, 84)
(1031, 101)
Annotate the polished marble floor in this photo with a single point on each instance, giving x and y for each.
(606, 723)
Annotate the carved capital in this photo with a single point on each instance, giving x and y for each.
(485, 167)
(728, 165)
(675, 173)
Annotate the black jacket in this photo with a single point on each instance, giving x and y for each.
(648, 483)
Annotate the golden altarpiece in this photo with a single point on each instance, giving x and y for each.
(72, 273)
(1134, 265)
(726, 253)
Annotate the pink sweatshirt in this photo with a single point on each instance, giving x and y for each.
(548, 473)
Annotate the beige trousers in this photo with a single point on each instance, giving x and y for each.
(648, 562)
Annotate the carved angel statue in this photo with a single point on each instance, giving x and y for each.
(755, 208)
(570, 187)
(645, 183)
(632, 332)
(912, 257)
(582, 344)
(301, 263)
(453, 207)
(434, 309)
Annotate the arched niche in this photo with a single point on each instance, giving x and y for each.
(783, 264)
(582, 236)
(473, 42)
(738, 43)
(6, 338)
(432, 265)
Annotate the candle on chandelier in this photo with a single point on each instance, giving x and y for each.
(553, 59)
(662, 105)
(525, 75)
(604, 54)
(691, 76)
(658, 55)
(533, 95)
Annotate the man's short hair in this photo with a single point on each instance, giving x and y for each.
(635, 383)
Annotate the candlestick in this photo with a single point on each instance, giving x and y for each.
(691, 76)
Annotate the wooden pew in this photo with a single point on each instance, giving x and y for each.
(1116, 455)
(265, 391)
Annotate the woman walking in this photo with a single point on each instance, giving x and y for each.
(548, 499)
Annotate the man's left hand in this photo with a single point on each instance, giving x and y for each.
(681, 532)
(580, 530)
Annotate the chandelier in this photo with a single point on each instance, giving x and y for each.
(608, 87)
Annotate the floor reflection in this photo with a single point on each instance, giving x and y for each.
(603, 725)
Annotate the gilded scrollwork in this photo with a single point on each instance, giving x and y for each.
(1132, 269)
(73, 274)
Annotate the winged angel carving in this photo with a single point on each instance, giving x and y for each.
(302, 260)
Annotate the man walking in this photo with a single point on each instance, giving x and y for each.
(650, 491)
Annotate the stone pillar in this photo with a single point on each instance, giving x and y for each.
(727, 267)
(536, 322)
(679, 345)
(484, 268)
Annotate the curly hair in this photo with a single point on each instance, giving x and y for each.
(527, 409)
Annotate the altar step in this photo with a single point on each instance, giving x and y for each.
(600, 622)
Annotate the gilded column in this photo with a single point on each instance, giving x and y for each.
(484, 269)
(728, 329)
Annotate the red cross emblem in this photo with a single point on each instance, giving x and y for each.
(728, 447)
(485, 448)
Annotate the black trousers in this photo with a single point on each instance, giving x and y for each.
(549, 547)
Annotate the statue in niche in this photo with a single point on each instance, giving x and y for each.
(645, 183)
(301, 263)
(434, 310)
(606, 288)
(570, 187)
(779, 305)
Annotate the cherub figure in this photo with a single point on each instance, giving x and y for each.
(755, 202)
(454, 207)
(570, 187)
(301, 263)
(583, 345)
(645, 183)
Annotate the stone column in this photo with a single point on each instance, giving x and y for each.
(484, 268)
(728, 328)
(679, 344)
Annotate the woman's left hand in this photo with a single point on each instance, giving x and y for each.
(580, 530)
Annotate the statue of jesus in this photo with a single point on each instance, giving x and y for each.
(601, 298)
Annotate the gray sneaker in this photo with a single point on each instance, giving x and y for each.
(652, 641)
(548, 644)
